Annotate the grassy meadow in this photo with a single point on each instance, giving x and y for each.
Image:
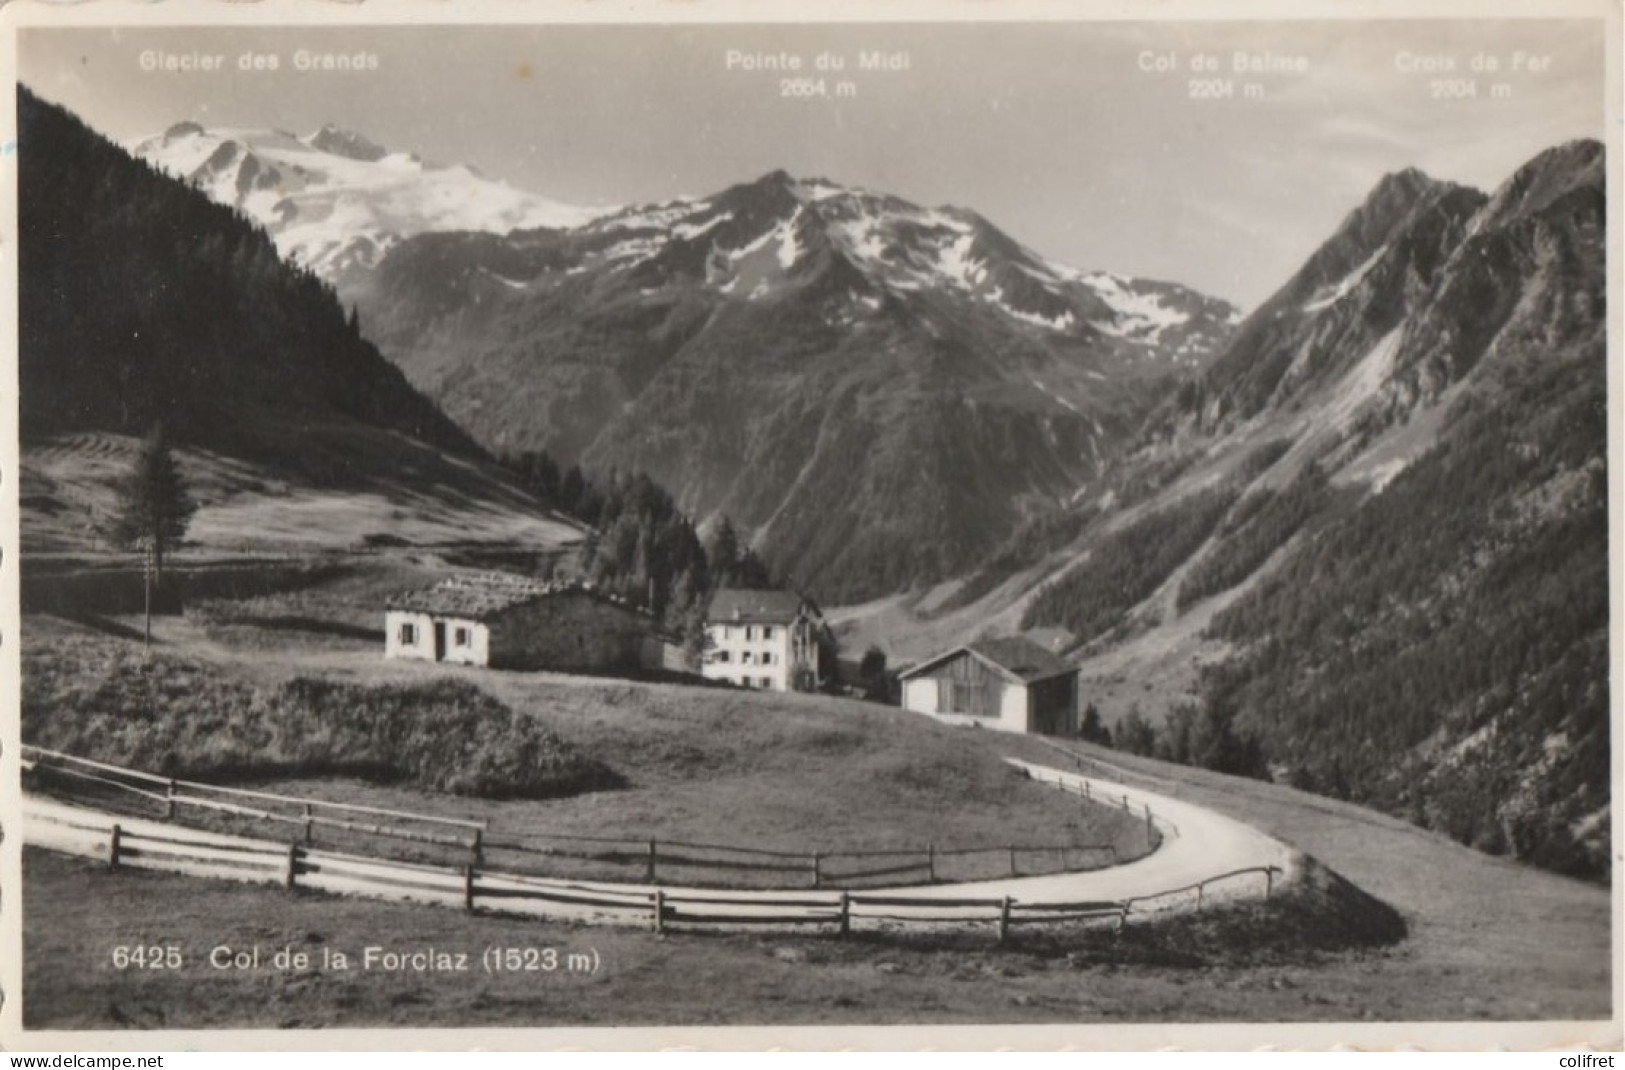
(1467, 937)
(290, 692)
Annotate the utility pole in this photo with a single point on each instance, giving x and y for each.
(149, 565)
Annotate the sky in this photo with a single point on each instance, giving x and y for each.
(1053, 131)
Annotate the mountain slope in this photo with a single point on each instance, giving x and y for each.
(334, 201)
(142, 301)
(1408, 589)
(877, 391)
(1449, 637)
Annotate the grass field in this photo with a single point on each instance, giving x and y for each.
(1486, 936)
(779, 772)
(1485, 939)
(343, 486)
(77, 912)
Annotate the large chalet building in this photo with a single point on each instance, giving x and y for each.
(762, 639)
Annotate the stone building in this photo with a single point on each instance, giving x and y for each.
(511, 622)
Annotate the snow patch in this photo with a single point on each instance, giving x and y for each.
(1326, 297)
(690, 231)
(789, 246)
(1063, 322)
(957, 266)
(1040, 385)
(512, 284)
(1139, 317)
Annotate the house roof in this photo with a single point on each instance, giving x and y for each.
(1015, 657)
(754, 607)
(481, 597)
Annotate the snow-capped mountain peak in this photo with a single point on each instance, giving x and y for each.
(758, 239)
(335, 201)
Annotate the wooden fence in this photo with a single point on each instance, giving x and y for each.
(1156, 824)
(173, 797)
(474, 889)
(415, 837)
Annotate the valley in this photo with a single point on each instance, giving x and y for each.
(375, 481)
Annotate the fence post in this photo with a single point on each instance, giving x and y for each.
(1122, 916)
(660, 910)
(1150, 829)
(931, 863)
(468, 888)
(652, 857)
(291, 877)
(1004, 920)
(169, 800)
(112, 846)
(1269, 880)
(1086, 789)
(818, 876)
(310, 829)
(846, 913)
(1125, 804)
(1200, 888)
(476, 849)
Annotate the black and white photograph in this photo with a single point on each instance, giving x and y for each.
(554, 527)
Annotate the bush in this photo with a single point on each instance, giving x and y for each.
(179, 718)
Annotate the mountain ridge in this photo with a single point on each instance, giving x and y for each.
(875, 390)
(1385, 515)
(334, 200)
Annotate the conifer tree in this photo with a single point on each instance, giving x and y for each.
(154, 509)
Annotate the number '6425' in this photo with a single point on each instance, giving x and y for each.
(147, 957)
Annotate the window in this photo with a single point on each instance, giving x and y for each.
(409, 635)
(767, 683)
(767, 631)
(767, 657)
(975, 699)
(747, 658)
(461, 637)
(723, 657)
(750, 632)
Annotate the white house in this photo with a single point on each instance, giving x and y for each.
(762, 639)
(1012, 685)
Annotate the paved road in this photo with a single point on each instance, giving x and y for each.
(1197, 845)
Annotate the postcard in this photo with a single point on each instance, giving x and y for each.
(1033, 525)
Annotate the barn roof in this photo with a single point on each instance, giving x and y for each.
(1014, 657)
(754, 607)
(481, 597)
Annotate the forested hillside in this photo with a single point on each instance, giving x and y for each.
(1388, 499)
(141, 300)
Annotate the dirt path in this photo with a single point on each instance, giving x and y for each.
(1197, 845)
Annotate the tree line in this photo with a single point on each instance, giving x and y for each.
(642, 546)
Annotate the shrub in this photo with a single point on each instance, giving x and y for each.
(180, 718)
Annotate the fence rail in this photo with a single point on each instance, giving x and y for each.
(294, 865)
(420, 836)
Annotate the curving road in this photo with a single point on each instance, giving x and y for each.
(1198, 845)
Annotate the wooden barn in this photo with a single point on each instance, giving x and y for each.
(510, 622)
(1013, 685)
